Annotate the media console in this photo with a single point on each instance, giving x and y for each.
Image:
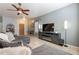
(51, 37)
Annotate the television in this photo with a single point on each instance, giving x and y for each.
(48, 27)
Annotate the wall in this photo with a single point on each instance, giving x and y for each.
(23, 20)
(36, 27)
(78, 22)
(9, 20)
(16, 21)
(1, 24)
(69, 13)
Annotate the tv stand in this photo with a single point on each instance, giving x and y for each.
(51, 37)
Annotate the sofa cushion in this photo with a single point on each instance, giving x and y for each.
(19, 40)
(4, 37)
(7, 44)
(10, 36)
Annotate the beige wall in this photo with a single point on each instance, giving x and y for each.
(16, 21)
(24, 21)
(28, 23)
(31, 23)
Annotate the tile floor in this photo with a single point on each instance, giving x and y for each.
(36, 42)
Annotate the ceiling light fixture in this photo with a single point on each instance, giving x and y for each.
(19, 12)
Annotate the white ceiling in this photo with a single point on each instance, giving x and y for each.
(36, 9)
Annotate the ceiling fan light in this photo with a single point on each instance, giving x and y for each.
(20, 12)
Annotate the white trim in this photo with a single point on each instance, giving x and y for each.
(73, 47)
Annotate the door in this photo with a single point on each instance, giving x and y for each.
(36, 27)
(21, 29)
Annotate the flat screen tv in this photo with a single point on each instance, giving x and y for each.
(48, 27)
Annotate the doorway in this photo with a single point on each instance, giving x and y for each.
(21, 29)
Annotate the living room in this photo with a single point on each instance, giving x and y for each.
(32, 26)
(68, 15)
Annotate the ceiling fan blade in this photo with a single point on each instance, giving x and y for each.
(15, 6)
(25, 13)
(11, 10)
(19, 4)
(26, 10)
(19, 9)
(18, 13)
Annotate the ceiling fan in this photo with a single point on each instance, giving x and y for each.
(19, 9)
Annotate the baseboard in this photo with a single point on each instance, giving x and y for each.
(73, 47)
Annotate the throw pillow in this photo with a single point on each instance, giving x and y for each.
(10, 36)
(4, 37)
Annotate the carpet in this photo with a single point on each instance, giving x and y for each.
(21, 50)
(47, 50)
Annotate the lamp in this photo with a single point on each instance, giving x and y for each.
(32, 21)
(19, 11)
(65, 24)
(65, 27)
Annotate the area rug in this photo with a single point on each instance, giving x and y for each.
(47, 50)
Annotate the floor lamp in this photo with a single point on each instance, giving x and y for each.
(65, 28)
